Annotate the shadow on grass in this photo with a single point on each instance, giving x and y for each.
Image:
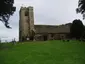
(5, 46)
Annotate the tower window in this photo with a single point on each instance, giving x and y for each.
(26, 13)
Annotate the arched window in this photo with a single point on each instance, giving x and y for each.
(26, 13)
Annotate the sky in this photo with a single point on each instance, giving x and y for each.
(48, 12)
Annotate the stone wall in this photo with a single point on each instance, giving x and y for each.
(50, 36)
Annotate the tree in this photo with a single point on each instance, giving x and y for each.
(81, 8)
(77, 29)
(83, 35)
(6, 10)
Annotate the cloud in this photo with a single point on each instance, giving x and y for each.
(46, 11)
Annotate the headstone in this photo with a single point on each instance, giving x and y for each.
(13, 41)
(27, 38)
(68, 40)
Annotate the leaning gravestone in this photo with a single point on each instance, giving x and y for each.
(13, 41)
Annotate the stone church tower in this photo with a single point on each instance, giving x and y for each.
(26, 22)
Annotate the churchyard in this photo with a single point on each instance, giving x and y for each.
(43, 52)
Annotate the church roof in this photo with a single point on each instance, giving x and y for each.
(52, 28)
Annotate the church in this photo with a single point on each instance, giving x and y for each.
(26, 25)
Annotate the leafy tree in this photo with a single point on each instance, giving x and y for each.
(83, 35)
(77, 29)
(6, 10)
(81, 8)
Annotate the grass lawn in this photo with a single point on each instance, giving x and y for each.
(47, 52)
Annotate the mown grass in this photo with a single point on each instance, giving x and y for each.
(47, 52)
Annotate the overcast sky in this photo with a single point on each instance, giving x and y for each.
(52, 12)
